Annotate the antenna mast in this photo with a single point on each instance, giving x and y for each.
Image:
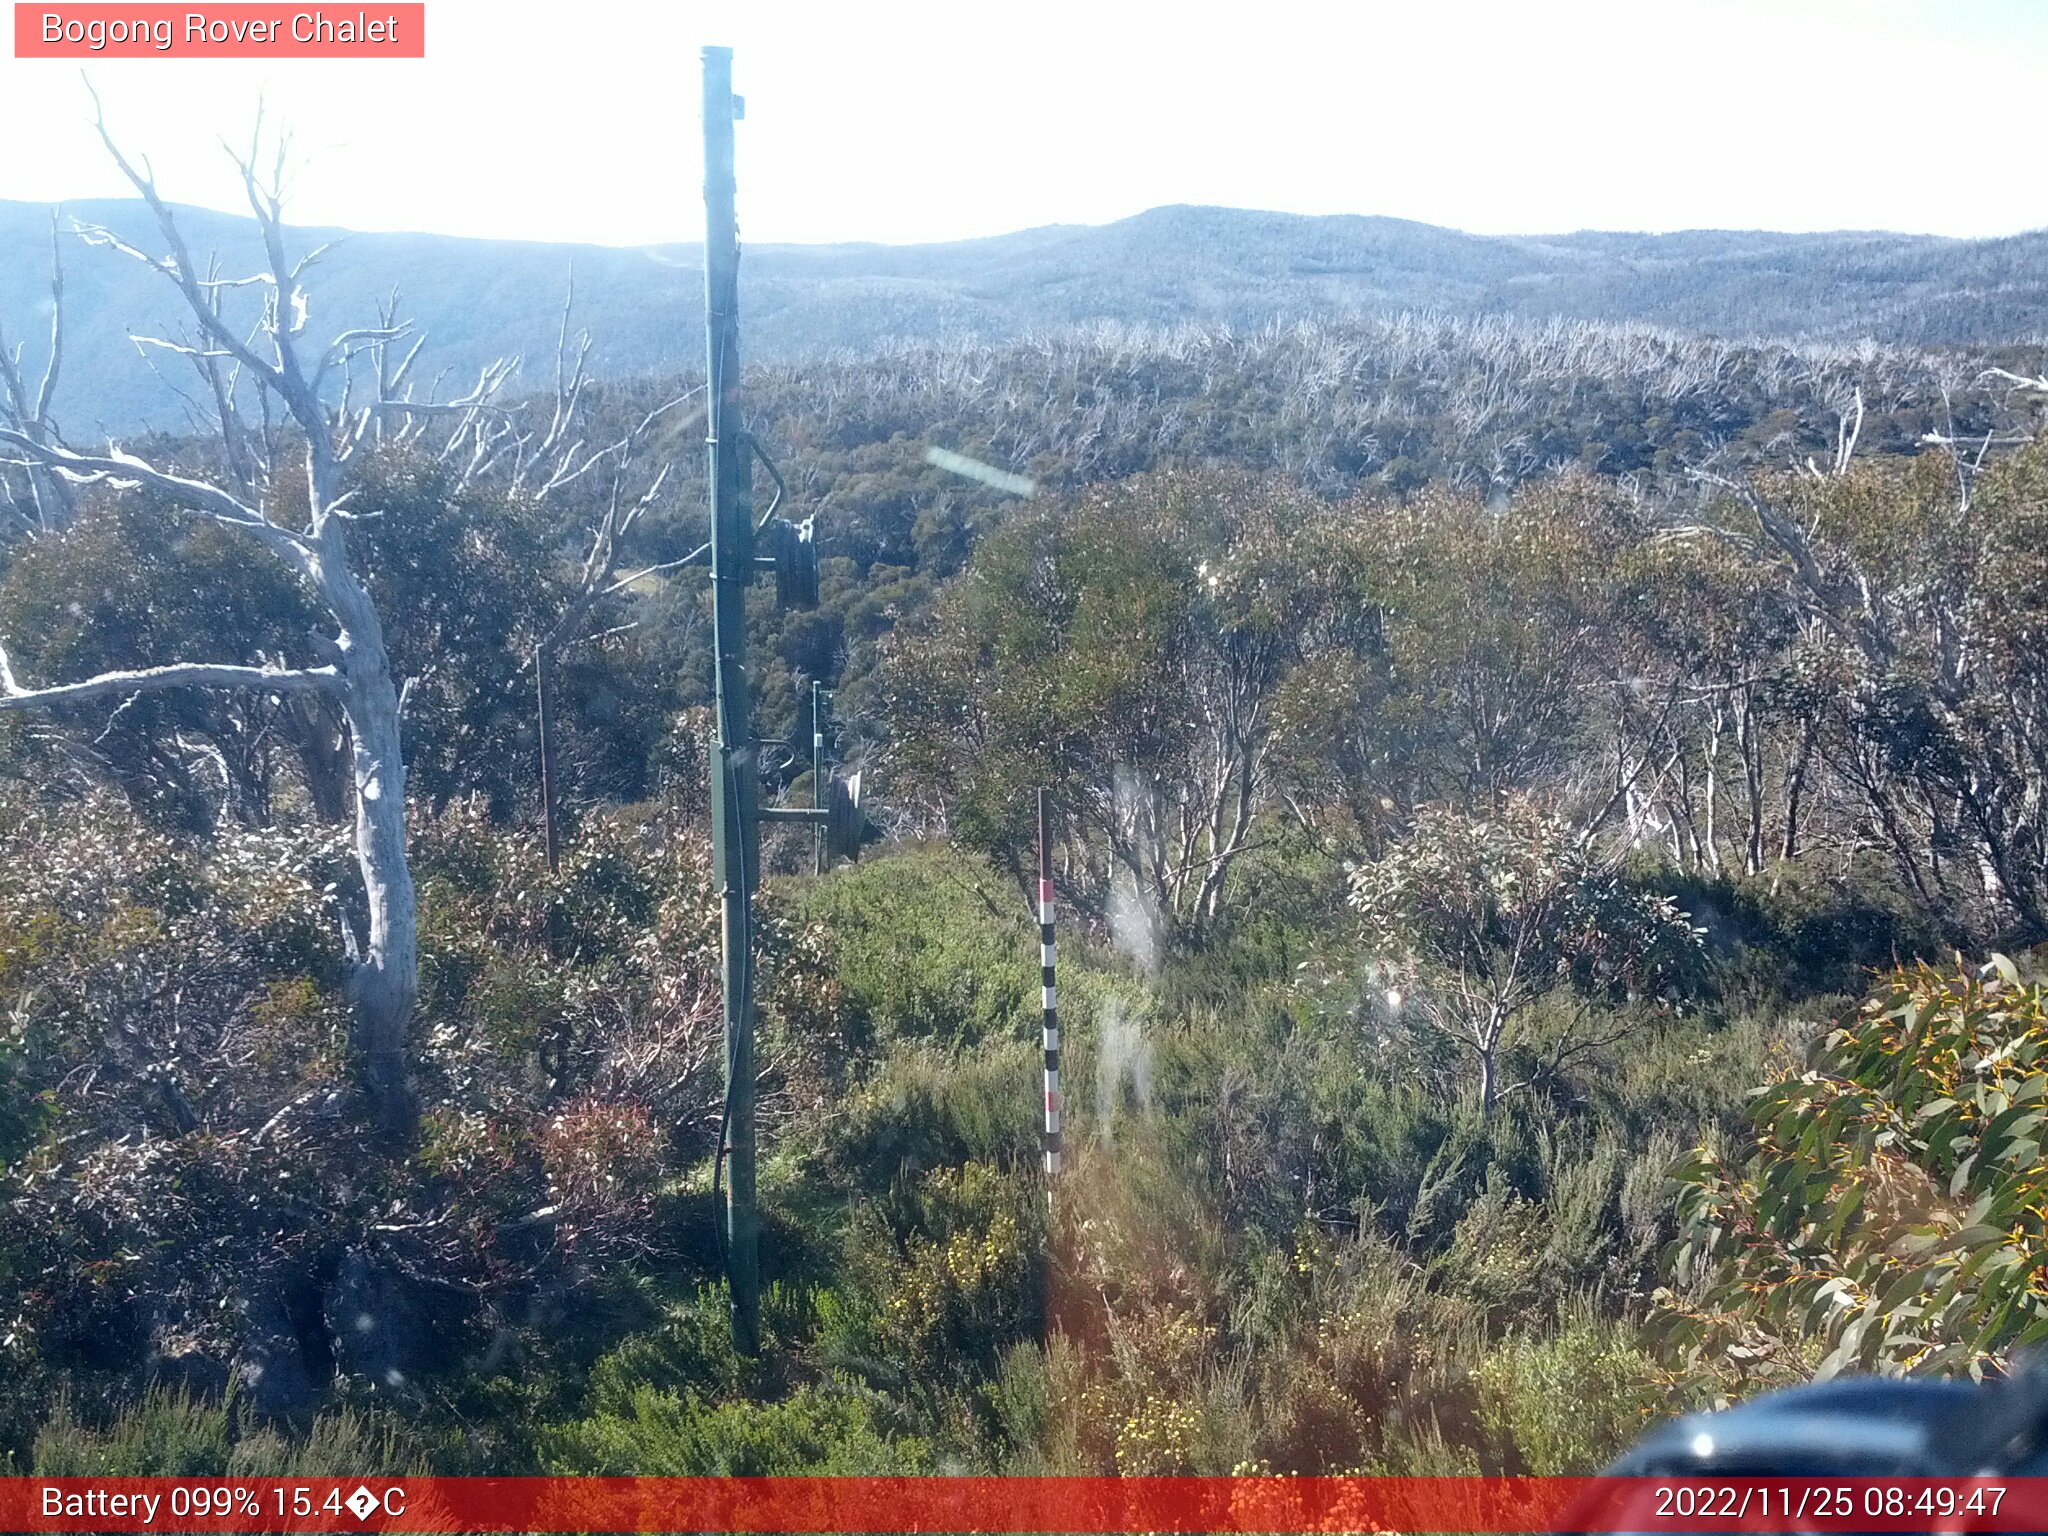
(735, 848)
(791, 557)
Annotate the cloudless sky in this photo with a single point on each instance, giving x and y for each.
(899, 120)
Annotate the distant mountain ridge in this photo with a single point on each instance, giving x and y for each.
(479, 299)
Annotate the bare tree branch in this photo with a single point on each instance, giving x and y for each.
(274, 680)
(30, 410)
(122, 469)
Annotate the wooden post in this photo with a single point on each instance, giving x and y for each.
(817, 775)
(547, 771)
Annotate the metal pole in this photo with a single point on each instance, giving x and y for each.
(817, 775)
(735, 858)
(1048, 992)
(547, 774)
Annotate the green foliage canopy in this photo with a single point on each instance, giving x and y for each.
(1893, 1214)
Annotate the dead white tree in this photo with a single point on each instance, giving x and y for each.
(353, 669)
(313, 410)
(38, 501)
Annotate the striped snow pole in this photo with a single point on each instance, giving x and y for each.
(1048, 992)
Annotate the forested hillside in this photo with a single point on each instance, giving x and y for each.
(1480, 751)
(1166, 268)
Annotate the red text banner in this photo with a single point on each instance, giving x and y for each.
(1078, 1506)
(223, 31)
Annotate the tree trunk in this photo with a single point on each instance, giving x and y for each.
(386, 980)
(321, 742)
(1795, 791)
(1711, 859)
(1749, 737)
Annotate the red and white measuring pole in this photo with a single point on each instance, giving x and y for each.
(1049, 992)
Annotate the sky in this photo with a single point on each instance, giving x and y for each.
(902, 121)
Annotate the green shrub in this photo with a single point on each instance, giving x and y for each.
(926, 1107)
(164, 1435)
(1891, 1213)
(817, 1431)
(686, 1346)
(176, 1434)
(198, 1172)
(929, 944)
(341, 1442)
(944, 1274)
(1803, 932)
(1568, 1403)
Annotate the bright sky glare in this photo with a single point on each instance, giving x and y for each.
(902, 120)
